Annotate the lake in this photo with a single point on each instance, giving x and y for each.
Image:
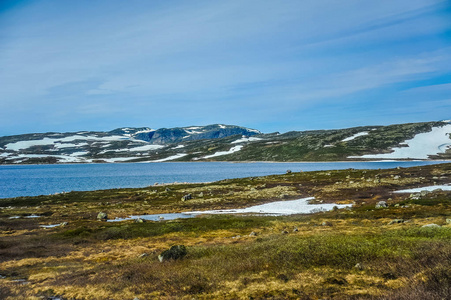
(33, 180)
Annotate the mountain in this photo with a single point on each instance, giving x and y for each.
(428, 140)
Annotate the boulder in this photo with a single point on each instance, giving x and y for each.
(381, 204)
(448, 221)
(396, 221)
(288, 171)
(187, 197)
(101, 216)
(358, 266)
(175, 252)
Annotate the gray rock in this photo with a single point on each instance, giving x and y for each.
(448, 221)
(326, 223)
(175, 252)
(187, 197)
(396, 221)
(101, 216)
(358, 266)
(424, 193)
(431, 226)
(253, 233)
(139, 220)
(381, 204)
(288, 172)
(64, 224)
(295, 229)
(201, 194)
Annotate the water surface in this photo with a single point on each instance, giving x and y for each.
(33, 180)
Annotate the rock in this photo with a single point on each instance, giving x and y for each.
(396, 221)
(253, 189)
(288, 172)
(284, 232)
(326, 223)
(431, 226)
(187, 197)
(381, 204)
(437, 191)
(101, 216)
(414, 196)
(201, 194)
(424, 193)
(175, 252)
(139, 220)
(448, 221)
(295, 229)
(284, 196)
(64, 224)
(167, 189)
(396, 177)
(143, 255)
(253, 233)
(358, 266)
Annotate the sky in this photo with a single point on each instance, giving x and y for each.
(270, 65)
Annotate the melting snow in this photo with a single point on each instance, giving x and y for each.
(426, 188)
(47, 141)
(355, 136)
(420, 147)
(300, 206)
(232, 150)
(244, 140)
(146, 148)
(144, 131)
(170, 157)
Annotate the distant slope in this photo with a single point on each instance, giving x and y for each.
(429, 140)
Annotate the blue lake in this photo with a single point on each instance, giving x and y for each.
(33, 180)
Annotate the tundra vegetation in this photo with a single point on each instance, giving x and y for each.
(361, 252)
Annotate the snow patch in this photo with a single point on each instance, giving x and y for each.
(220, 153)
(170, 157)
(355, 136)
(420, 147)
(425, 188)
(59, 142)
(246, 139)
(300, 206)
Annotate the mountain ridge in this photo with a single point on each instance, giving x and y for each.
(218, 142)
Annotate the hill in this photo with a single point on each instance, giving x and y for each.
(427, 140)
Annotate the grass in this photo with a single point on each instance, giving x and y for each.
(342, 254)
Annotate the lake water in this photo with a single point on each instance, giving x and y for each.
(33, 180)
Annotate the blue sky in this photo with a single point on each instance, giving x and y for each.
(271, 65)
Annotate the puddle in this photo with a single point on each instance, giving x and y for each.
(50, 226)
(279, 208)
(32, 216)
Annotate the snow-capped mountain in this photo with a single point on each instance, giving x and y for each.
(429, 140)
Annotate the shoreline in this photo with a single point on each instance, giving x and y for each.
(237, 162)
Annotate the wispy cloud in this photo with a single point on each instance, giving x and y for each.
(272, 59)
